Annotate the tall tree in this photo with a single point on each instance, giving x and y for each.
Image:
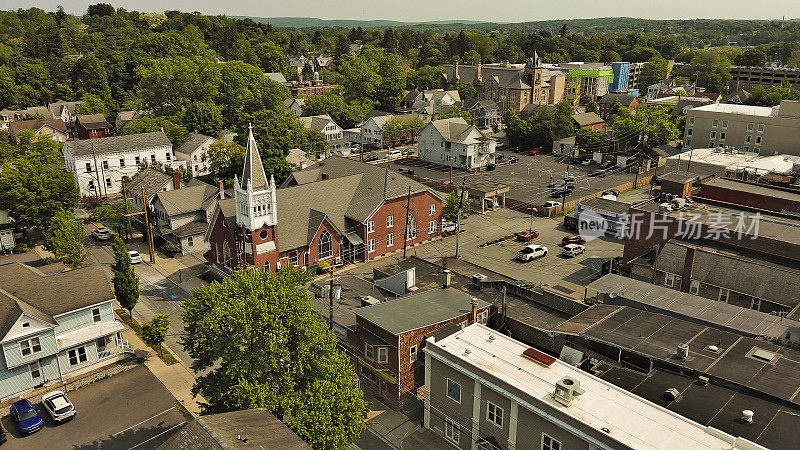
(277, 354)
(64, 238)
(126, 282)
(225, 160)
(203, 117)
(154, 331)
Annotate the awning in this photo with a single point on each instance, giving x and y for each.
(87, 334)
(353, 238)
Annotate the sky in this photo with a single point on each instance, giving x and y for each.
(427, 10)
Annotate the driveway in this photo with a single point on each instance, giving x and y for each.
(129, 410)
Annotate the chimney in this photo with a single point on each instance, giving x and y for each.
(688, 268)
(325, 176)
(455, 70)
(506, 64)
(474, 303)
(447, 279)
(221, 190)
(176, 180)
(478, 76)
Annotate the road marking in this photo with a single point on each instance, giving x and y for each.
(145, 420)
(159, 434)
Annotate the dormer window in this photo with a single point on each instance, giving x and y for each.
(26, 325)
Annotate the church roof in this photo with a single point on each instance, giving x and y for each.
(253, 168)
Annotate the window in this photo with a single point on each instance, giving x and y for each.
(454, 390)
(713, 135)
(101, 344)
(390, 240)
(724, 294)
(26, 325)
(548, 443)
(91, 185)
(483, 316)
(169, 156)
(669, 280)
(371, 226)
(761, 128)
(432, 209)
(694, 287)
(368, 374)
(94, 132)
(724, 124)
(746, 148)
(138, 160)
(691, 120)
(494, 414)
(108, 183)
(432, 227)
(30, 346)
(369, 351)
(750, 126)
(389, 221)
(96, 317)
(689, 132)
(105, 165)
(122, 162)
(451, 431)
(688, 142)
(758, 140)
(371, 245)
(153, 158)
(722, 136)
(747, 139)
(383, 354)
(88, 167)
(715, 123)
(190, 241)
(77, 356)
(35, 371)
(293, 258)
(325, 247)
(756, 304)
(412, 353)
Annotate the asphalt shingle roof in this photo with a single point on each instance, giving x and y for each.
(94, 121)
(188, 199)
(119, 143)
(152, 180)
(193, 142)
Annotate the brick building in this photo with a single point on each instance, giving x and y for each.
(751, 195)
(93, 126)
(390, 337)
(337, 211)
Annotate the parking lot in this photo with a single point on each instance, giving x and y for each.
(129, 410)
(527, 178)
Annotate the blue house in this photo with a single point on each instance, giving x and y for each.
(55, 326)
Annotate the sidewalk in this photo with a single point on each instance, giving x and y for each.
(177, 378)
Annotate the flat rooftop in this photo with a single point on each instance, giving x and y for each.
(630, 419)
(657, 336)
(729, 108)
(752, 188)
(734, 160)
(642, 295)
(419, 310)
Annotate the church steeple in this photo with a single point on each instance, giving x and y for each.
(256, 197)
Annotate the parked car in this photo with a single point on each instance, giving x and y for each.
(449, 227)
(408, 151)
(406, 170)
(614, 192)
(551, 204)
(370, 158)
(566, 190)
(102, 234)
(513, 159)
(598, 173)
(535, 151)
(531, 252)
(606, 165)
(557, 184)
(527, 235)
(3, 437)
(135, 257)
(58, 406)
(573, 239)
(587, 162)
(572, 250)
(499, 157)
(490, 167)
(395, 154)
(28, 418)
(569, 177)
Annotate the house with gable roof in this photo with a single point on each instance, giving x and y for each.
(457, 143)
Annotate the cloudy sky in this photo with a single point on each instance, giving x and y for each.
(425, 10)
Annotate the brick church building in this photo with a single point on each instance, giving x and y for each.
(338, 211)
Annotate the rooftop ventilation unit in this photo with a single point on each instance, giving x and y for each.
(566, 390)
(683, 351)
(670, 394)
(747, 416)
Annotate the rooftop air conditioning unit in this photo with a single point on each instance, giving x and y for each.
(566, 390)
(678, 203)
(478, 278)
(683, 351)
(664, 207)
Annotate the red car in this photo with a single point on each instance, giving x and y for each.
(534, 152)
(527, 235)
(573, 239)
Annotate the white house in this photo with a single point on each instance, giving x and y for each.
(325, 125)
(7, 239)
(193, 150)
(457, 143)
(99, 165)
(55, 327)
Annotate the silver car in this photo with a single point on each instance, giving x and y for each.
(58, 406)
(136, 258)
(102, 234)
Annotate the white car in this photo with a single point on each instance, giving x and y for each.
(449, 227)
(531, 252)
(136, 258)
(587, 162)
(395, 154)
(102, 233)
(551, 204)
(58, 406)
(571, 250)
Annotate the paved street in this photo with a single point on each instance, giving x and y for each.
(129, 410)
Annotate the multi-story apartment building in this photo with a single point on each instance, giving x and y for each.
(100, 165)
(622, 71)
(764, 130)
(587, 81)
(457, 143)
(743, 77)
(634, 70)
(512, 86)
(55, 326)
(486, 390)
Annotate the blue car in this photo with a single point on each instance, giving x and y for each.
(26, 416)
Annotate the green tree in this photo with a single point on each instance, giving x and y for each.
(651, 123)
(360, 78)
(277, 354)
(176, 133)
(465, 90)
(752, 57)
(64, 238)
(203, 117)
(654, 70)
(100, 9)
(126, 282)
(426, 77)
(225, 160)
(345, 114)
(112, 216)
(169, 85)
(450, 208)
(154, 332)
(591, 139)
(92, 104)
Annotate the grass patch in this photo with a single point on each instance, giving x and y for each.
(184, 412)
(160, 350)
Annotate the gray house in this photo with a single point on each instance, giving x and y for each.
(55, 326)
(183, 214)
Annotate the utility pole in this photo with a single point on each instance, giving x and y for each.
(451, 170)
(636, 179)
(147, 228)
(330, 297)
(125, 204)
(503, 308)
(386, 175)
(408, 214)
(460, 203)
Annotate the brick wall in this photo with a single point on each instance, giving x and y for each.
(744, 198)
(420, 209)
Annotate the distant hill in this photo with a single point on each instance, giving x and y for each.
(311, 22)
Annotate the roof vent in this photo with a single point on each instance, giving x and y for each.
(467, 351)
(491, 337)
(670, 394)
(566, 390)
(747, 416)
(683, 351)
